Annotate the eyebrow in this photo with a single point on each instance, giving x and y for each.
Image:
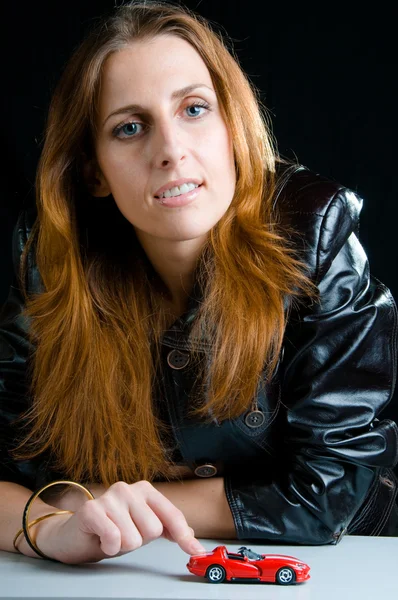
(176, 95)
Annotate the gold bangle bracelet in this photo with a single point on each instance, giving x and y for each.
(59, 512)
(25, 516)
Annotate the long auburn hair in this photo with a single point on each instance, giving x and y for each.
(97, 323)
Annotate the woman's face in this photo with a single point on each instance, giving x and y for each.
(142, 149)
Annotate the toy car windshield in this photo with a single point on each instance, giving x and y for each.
(249, 553)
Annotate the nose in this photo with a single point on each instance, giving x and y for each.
(168, 148)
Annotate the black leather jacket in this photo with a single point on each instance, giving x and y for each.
(317, 463)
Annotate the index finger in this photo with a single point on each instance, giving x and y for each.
(172, 518)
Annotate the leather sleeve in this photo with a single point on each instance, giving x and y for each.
(338, 373)
(15, 350)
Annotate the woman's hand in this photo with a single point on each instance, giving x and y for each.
(124, 518)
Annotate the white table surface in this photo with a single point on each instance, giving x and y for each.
(357, 567)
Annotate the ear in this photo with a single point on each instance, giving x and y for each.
(94, 179)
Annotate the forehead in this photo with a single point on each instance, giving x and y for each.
(149, 69)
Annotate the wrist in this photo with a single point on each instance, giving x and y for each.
(38, 529)
(47, 534)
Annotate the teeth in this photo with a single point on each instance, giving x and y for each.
(178, 190)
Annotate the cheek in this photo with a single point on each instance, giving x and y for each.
(221, 167)
(218, 149)
(119, 168)
(224, 156)
(114, 161)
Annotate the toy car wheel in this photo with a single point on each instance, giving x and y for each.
(215, 574)
(285, 576)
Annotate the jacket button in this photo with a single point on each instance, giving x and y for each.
(177, 359)
(254, 419)
(207, 470)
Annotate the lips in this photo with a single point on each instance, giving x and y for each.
(181, 200)
(175, 183)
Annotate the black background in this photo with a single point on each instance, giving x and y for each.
(326, 76)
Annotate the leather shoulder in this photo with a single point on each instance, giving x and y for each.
(322, 212)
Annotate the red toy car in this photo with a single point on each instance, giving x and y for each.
(245, 565)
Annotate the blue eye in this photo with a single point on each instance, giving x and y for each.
(194, 106)
(130, 129)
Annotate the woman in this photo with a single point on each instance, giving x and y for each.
(201, 341)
